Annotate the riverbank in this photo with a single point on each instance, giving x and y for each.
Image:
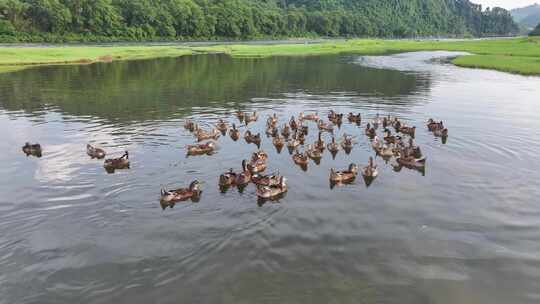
(517, 55)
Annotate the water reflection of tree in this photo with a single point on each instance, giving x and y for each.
(159, 89)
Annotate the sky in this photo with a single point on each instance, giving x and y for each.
(508, 4)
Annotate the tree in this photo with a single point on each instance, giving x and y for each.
(536, 31)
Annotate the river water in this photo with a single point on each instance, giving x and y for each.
(465, 231)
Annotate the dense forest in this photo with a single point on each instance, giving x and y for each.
(536, 31)
(111, 20)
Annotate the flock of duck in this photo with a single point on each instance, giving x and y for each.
(399, 145)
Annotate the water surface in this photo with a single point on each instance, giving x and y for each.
(468, 231)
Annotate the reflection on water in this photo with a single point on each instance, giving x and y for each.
(466, 230)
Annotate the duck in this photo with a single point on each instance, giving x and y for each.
(386, 151)
(344, 176)
(293, 142)
(293, 124)
(266, 180)
(240, 115)
(234, 133)
(190, 125)
(286, 131)
(325, 126)
(312, 116)
(94, 152)
(252, 138)
(434, 125)
(300, 159)
(244, 177)
(278, 141)
(354, 118)
(272, 121)
(319, 143)
(199, 149)
(333, 146)
(397, 124)
(222, 126)
(228, 178)
(386, 121)
(206, 135)
(410, 161)
(32, 149)
(389, 138)
(407, 130)
(376, 121)
(347, 143)
(370, 171)
(370, 132)
(412, 149)
(251, 118)
(259, 155)
(170, 197)
(441, 132)
(314, 153)
(271, 131)
(121, 162)
(256, 166)
(270, 192)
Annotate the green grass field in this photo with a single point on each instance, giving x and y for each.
(517, 55)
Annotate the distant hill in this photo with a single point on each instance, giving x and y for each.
(528, 16)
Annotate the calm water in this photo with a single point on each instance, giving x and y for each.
(466, 232)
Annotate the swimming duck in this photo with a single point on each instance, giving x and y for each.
(32, 149)
(170, 197)
(410, 161)
(244, 177)
(271, 131)
(256, 166)
(387, 151)
(228, 178)
(347, 142)
(407, 130)
(335, 117)
(314, 153)
(293, 124)
(300, 159)
(286, 131)
(266, 180)
(259, 155)
(252, 138)
(199, 149)
(388, 137)
(190, 125)
(121, 162)
(434, 125)
(272, 120)
(278, 141)
(333, 146)
(441, 132)
(222, 126)
(344, 176)
(412, 150)
(325, 126)
(397, 124)
(386, 121)
(95, 152)
(240, 115)
(234, 133)
(270, 192)
(354, 118)
(370, 171)
(370, 132)
(376, 121)
(312, 116)
(319, 143)
(205, 135)
(251, 118)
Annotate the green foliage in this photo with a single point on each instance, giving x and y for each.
(109, 20)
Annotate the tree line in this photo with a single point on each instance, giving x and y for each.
(142, 20)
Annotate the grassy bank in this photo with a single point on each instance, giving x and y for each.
(518, 55)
